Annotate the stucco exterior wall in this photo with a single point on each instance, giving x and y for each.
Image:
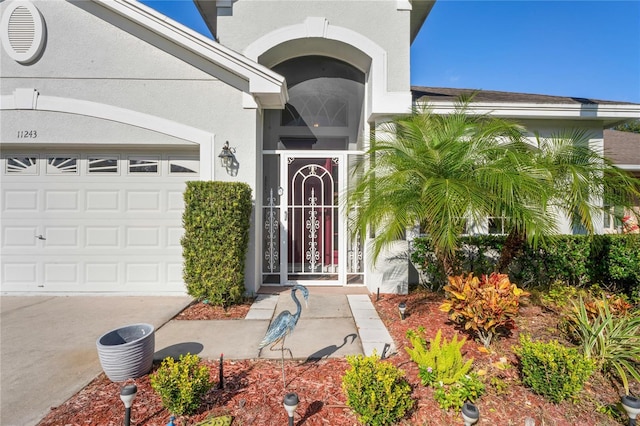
(95, 56)
(379, 21)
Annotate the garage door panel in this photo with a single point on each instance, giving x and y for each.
(100, 201)
(20, 236)
(61, 273)
(61, 200)
(102, 272)
(143, 237)
(142, 273)
(175, 201)
(62, 237)
(19, 273)
(145, 201)
(102, 236)
(174, 235)
(20, 201)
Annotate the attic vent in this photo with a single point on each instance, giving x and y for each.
(22, 31)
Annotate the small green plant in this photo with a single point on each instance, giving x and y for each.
(442, 362)
(612, 341)
(558, 294)
(485, 305)
(553, 370)
(468, 388)
(376, 390)
(499, 385)
(181, 384)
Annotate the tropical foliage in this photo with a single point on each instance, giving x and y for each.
(442, 361)
(609, 334)
(485, 305)
(449, 173)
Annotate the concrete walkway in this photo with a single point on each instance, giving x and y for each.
(48, 352)
(333, 325)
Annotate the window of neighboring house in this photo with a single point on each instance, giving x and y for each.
(497, 225)
(612, 221)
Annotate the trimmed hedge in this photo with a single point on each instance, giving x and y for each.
(578, 260)
(216, 223)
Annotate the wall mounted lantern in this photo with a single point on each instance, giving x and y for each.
(226, 156)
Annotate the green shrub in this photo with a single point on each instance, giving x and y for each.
(468, 388)
(442, 362)
(216, 224)
(376, 390)
(612, 341)
(577, 260)
(181, 384)
(552, 370)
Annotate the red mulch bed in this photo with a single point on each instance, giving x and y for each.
(204, 311)
(253, 389)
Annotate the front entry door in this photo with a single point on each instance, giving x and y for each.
(304, 233)
(312, 219)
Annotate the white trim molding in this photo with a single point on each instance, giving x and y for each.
(608, 113)
(29, 98)
(382, 101)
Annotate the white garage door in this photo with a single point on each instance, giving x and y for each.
(93, 222)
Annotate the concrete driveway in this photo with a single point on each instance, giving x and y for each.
(48, 345)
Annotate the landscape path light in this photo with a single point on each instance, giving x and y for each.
(631, 405)
(127, 395)
(470, 414)
(290, 404)
(402, 307)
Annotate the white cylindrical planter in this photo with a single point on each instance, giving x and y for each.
(127, 352)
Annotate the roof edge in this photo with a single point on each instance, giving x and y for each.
(266, 86)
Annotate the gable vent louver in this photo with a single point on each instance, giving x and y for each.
(23, 31)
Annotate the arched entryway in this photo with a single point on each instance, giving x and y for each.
(307, 150)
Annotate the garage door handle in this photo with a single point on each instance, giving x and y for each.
(40, 237)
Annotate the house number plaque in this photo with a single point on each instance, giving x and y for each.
(27, 134)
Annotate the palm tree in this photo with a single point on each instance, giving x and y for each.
(442, 171)
(581, 183)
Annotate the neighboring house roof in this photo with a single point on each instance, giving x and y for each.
(493, 96)
(530, 106)
(267, 87)
(623, 148)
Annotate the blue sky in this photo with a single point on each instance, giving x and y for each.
(587, 49)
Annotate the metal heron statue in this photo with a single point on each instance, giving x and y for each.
(283, 326)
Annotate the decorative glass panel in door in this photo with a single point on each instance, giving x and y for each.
(312, 218)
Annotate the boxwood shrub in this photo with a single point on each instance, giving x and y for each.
(216, 223)
(576, 260)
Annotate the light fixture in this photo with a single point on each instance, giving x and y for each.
(226, 155)
(470, 414)
(402, 307)
(127, 395)
(631, 405)
(290, 404)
